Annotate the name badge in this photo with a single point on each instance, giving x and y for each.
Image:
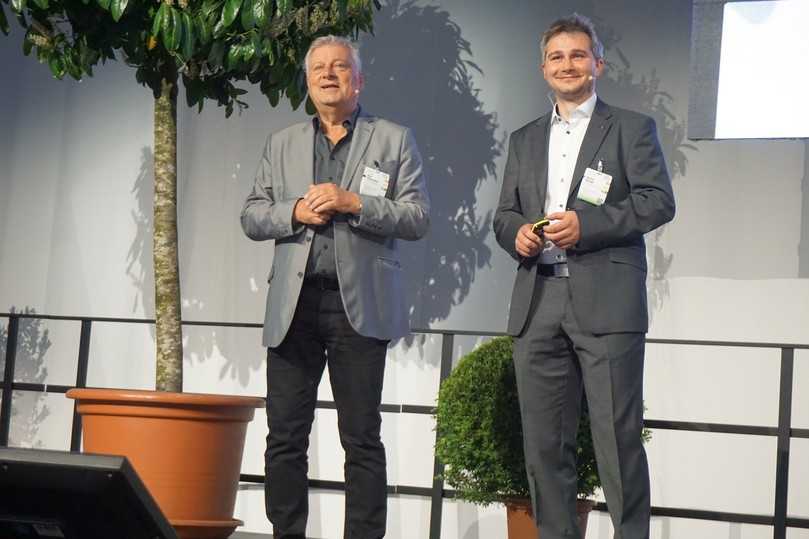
(374, 182)
(594, 186)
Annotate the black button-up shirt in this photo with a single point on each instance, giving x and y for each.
(330, 163)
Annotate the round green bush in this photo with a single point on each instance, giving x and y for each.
(479, 430)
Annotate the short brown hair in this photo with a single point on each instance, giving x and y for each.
(571, 24)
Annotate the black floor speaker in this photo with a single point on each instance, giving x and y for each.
(60, 495)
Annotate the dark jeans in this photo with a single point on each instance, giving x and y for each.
(321, 335)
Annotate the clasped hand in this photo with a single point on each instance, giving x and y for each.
(322, 201)
(563, 231)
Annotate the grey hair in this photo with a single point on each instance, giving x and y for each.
(571, 24)
(322, 41)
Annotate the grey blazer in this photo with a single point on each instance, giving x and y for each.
(368, 266)
(608, 265)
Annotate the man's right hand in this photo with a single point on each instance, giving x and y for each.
(527, 243)
(302, 213)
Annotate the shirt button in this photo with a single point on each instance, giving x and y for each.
(300, 274)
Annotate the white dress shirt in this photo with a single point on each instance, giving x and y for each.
(564, 143)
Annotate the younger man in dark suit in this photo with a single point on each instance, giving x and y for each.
(578, 310)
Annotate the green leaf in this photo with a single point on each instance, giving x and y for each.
(188, 36)
(210, 6)
(204, 30)
(342, 7)
(248, 52)
(117, 8)
(4, 22)
(234, 54)
(261, 11)
(27, 45)
(248, 20)
(310, 107)
(105, 4)
(274, 96)
(18, 5)
(269, 48)
(230, 12)
(57, 66)
(168, 23)
(158, 19)
(43, 4)
(217, 54)
(174, 35)
(284, 6)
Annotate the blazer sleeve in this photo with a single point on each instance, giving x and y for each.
(649, 204)
(406, 214)
(264, 217)
(509, 215)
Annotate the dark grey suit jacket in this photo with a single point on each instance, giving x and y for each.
(608, 264)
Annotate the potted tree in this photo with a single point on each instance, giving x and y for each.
(209, 45)
(480, 439)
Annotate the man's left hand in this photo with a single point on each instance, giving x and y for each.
(564, 229)
(324, 197)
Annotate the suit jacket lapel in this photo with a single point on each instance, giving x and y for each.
(305, 145)
(359, 144)
(539, 147)
(597, 130)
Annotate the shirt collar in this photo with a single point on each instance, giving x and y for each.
(349, 123)
(585, 110)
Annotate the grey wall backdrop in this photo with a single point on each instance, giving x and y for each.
(75, 229)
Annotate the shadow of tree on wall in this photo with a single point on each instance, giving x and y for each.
(200, 343)
(428, 86)
(139, 262)
(643, 93)
(27, 414)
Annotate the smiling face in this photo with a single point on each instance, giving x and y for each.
(570, 67)
(332, 79)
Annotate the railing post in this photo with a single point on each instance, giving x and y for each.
(784, 432)
(81, 380)
(8, 378)
(437, 496)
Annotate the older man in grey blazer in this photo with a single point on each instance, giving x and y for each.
(335, 193)
(578, 310)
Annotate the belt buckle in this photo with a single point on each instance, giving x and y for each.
(560, 270)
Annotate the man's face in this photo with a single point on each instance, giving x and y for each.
(332, 79)
(570, 67)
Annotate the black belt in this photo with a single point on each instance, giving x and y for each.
(553, 270)
(321, 282)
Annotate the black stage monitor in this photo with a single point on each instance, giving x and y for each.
(59, 495)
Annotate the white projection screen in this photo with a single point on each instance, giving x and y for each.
(748, 78)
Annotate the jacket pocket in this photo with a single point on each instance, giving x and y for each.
(634, 257)
(389, 262)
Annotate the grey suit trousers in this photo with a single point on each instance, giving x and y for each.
(555, 360)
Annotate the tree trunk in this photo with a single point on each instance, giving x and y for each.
(168, 333)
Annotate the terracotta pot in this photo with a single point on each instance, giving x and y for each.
(186, 447)
(520, 518)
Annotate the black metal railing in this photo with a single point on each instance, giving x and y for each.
(783, 432)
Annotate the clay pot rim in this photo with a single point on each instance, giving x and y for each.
(162, 397)
(526, 502)
(231, 523)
